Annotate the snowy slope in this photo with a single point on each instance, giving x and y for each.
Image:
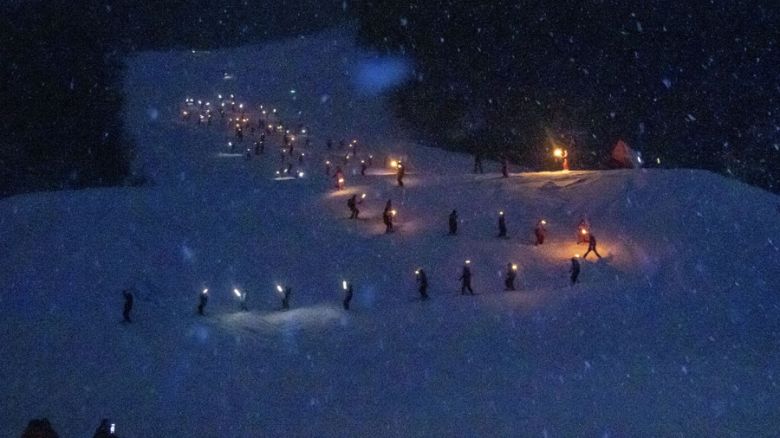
(675, 332)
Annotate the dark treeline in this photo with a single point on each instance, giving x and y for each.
(61, 70)
(693, 84)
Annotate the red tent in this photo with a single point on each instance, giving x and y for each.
(624, 157)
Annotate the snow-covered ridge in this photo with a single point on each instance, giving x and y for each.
(675, 331)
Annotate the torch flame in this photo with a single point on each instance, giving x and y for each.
(206, 290)
(279, 288)
(237, 292)
(344, 284)
(584, 231)
(514, 267)
(558, 152)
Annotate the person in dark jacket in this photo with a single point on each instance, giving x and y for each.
(285, 293)
(540, 231)
(574, 270)
(363, 167)
(478, 163)
(202, 300)
(422, 283)
(504, 167)
(591, 246)
(511, 274)
(400, 175)
(352, 204)
(453, 223)
(501, 224)
(387, 219)
(39, 428)
(128, 295)
(465, 279)
(347, 286)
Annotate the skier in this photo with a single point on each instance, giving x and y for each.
(478, 162)
(327, 168)
(540, 231)
(347, 294)
(453, 223)
(387, 219)
(248, 155)
(257, 148)
(300, 157)
(352, 204)
(239, 134)
(501, 224)
(465, 279)
(202, 300)
(422, 284)
(504, 167)
(511, 274)
(400, 175)
(575, 270)
(241, 299)
(128, 295)
(591, 246)
(582, 231)
(286, 297)
(339, 177)
(363, 167)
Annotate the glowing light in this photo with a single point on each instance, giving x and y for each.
(237, 292)
(300, 174)
(576, 256)
(219, 96)
(363, 196)
(303, 131)
(584, 231)
(341, 180)
(344, 284)
(468, 262)
(417, 272)
(558, 152)
(112, 429)
(205, 291)
(393, 163)
(393, 212)
(240, 105)
(279, 288)
(292, 138)
(500, 213)
(327, 162)
(544, 222)
(514, 267)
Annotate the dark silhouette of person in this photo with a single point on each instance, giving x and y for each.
(352, 204)
(540, 231)
(511, 274)
(387, 219)
(465, 279)
(104, 430)
(202, 300)
(591, 246)
(504, 167)
(400, 175)
(128, 307)
(575, 270)
(453, 223)
(501, 224)
(422, 284)
(478, 162)
(347, 295)
(286, 297)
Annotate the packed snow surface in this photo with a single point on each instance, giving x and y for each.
(675, 331)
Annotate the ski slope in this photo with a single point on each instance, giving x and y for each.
(675, 332)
